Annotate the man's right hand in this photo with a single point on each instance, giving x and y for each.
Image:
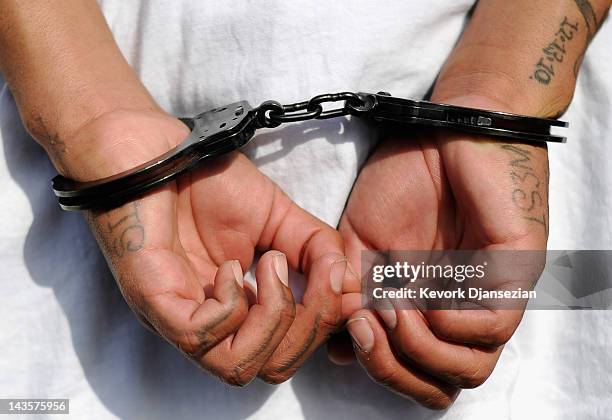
(178, 253)
(173, 251)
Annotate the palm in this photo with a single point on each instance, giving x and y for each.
(221, 214)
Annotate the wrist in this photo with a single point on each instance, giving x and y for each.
(512, 174)
(499, 91)
(526, 62)
(57, 116)
(117, 141)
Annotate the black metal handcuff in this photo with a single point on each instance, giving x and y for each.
(224, 129)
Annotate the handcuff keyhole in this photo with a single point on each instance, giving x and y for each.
(239, 111)
(222, 125)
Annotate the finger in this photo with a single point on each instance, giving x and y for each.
(479, 327)
(339, 346)
(238, 359)
(375, 355)
(351, 303)
(317, 317)
(196, 327)
(352, 282)
(456, 364)
(303, 238)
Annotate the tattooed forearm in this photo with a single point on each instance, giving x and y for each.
(554, 53)
(530, 191)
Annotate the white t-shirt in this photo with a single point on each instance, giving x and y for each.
(65, 331)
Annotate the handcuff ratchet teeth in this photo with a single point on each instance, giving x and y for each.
(225, 129)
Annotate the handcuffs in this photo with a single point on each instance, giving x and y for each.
(225, 129)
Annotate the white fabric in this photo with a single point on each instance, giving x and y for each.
(65, 331)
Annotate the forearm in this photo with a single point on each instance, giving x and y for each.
(64, 68)
(523, 55)
(518, 56)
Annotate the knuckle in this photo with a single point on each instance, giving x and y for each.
(275, 377)
(496, 332)
(437, 401)
(475, 377)
(186, 345)
(239, 310)
(442, 326)
(205, 340)
(329, 320)
(239, 377)
(236, 382)
(284, 321)
(281, 315)
(286, 312)
(500, 332)
(278, 370)
(196, 344)
(384, 374)
(236, 307)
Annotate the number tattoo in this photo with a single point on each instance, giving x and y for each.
(554, 52)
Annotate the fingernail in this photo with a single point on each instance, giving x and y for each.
(280, 266)
(388, 315)
(362, 333)
(336, 275)
(238, 273)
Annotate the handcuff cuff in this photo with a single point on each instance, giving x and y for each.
(225, 129)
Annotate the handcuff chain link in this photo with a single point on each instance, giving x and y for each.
(271, 114)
